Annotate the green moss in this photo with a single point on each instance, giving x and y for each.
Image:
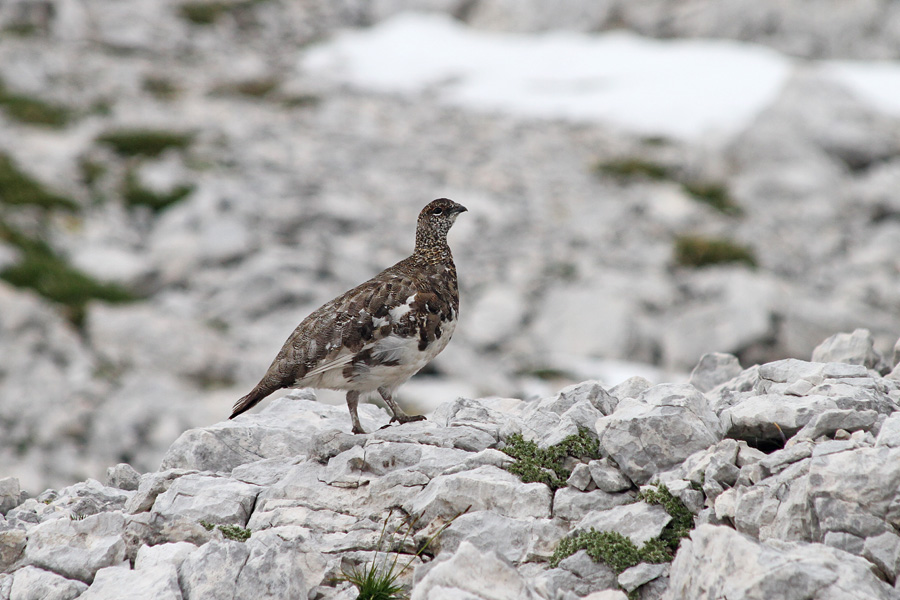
(682, 519)
(545, 465)
(19, 189)
(715, 195)
(251, 88)
(204, 13)
(91, 171)
(34, 111)
(50, 275)
(134, 194)
(621, 553)
(231, 532)
(144, 142)
(698, 251)
(633, 168)
(160, 87)
(611, 547)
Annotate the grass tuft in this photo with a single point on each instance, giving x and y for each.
(699, 251)
(545, 465)
(682, 519)
(204, 13)
(144, 142)
(378, 581)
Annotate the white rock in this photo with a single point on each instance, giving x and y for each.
(514, 540)
(607, 477)
(481, 488)
(636, 576)
(31, 583)
(163, 554)
(857, 348)
(199, 497)
(10, 494)
(77, 549)
(480, 574)
(640, 522)
(746, 568)
(153, 583)
(571, 504)
(714, 369)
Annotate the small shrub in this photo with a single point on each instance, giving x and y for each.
(715, 195)
(144, 142)
(698, 251)
(545, 465)
(19, 189)
(633, 168)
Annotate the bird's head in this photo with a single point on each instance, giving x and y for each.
(435, 221)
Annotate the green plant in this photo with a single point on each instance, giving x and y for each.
(144, 142)
(699, 251)
(19, 189)
(545, 465)
(134, 194)
(633, 168)
(160, 87)
(204, 13)
(231, 532)
(252, 88)
(34, 111)
(51, 276)
(715, 195)
(682, 520)
(378, 581)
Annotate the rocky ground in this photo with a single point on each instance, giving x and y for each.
(200, 170)
(787, 473)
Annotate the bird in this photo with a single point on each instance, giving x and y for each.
(377, 335)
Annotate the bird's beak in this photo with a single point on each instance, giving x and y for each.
(459, 208)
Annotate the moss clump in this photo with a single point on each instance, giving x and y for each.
(160, 87)
(231, 532)
(715, 195)
(699, 251)
(34, 111)
(251, 88)
(144, 142)
(545, 465)
(682, 520)
(134, 194)
(204, 13)
(19, 189)
(611, 547)
(633, 168)
(621, 553)
(51, 276)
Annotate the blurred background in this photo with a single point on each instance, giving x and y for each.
(182, 181)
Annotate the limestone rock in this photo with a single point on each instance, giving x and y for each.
(476, 573)
(31, 583)
(159, 582)
(714, 369)
(747, 569)
(639, 521)
(857, 348)
(663, 427)
(77, 549)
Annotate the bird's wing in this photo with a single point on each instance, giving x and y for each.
(346, 328)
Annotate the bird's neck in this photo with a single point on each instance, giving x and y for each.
(433, 252)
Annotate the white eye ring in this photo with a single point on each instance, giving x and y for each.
(437, 211)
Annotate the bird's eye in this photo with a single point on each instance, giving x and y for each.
(437, 211)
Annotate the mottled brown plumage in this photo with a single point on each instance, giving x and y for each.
(380, 333)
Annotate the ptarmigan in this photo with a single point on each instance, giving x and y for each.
(380, 333)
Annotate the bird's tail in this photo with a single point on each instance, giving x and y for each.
(250, 400)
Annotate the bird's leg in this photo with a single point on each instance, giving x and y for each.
(399, 415)
(352, 403)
